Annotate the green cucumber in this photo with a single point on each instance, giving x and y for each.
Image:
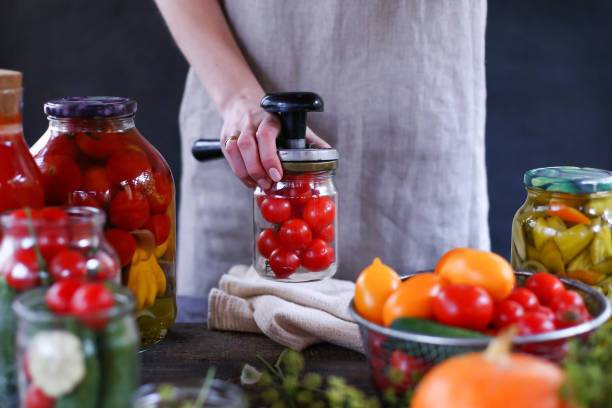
(85, 395)
(118, 345)
(8, 386)
(428, 327)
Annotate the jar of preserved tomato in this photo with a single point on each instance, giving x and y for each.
(93, 155)
(40, 247)
(296, 219)
(565, 225)
(20, 182)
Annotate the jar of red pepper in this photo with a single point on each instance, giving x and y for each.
(93, 155)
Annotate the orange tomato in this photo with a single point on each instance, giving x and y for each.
(414, 298)
(373, 287)
(479, 268)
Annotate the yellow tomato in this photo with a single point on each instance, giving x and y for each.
(413, 298)
(479, 268)
(373, 287)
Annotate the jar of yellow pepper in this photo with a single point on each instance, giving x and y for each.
(565, 225)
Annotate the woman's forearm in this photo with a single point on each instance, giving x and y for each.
(203, 35)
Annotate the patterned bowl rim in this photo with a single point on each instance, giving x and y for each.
(601, 302)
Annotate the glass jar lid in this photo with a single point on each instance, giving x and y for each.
(90, 107)
(569, 179)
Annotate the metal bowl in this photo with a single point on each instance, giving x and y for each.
(398, 359)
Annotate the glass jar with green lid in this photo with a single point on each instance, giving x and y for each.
(565, 225)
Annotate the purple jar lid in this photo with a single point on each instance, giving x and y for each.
(90, 107)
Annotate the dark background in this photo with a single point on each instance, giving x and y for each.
(549, 78)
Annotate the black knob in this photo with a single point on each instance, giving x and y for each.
(206, 149)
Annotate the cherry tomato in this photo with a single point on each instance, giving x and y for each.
(298, 192)
(52, 240)
(507, 312)
(68, 264)
(23, 274)
(98, 145)
(159, 225)
(89, 303)
(534, 323)
(319, 255)
(61, 145)
(464, 306)
(102, 266)
(276, 210)
(124, 244)
(319, 212)
(97, 185)
(414, 298)
(36, 398)
(525, 298)
(404, 370)
(376, 344)
(568, 315)
(545, 310)
(161, 195)
(545, 286)
(53, 215)
(327, 233)
(60, 176)
(567, 299)
(284, 262)
(129, 210)
(83, 199)
(128, 165)
(374, 285)
(59, 295)
(267, 242)
(295, 234)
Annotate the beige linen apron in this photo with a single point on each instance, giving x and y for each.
(404, 88)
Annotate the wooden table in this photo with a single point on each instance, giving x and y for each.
(189, 349)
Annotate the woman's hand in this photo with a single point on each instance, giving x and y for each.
(248, 141)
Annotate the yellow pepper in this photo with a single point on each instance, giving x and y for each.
(551, 257)
(573, 240)
(542, 233)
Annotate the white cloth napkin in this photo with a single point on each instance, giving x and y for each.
(295, 315)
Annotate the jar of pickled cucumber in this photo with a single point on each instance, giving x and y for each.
(565, 225)
(93, 155)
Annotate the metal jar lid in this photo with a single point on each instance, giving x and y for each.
(307, 160)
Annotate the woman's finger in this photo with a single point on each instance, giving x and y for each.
(315, 140)
(229, 147)
(266, 142)
(250, 155)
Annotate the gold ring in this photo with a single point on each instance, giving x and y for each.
(232, 138)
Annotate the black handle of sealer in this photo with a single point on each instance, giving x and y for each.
(206, 149)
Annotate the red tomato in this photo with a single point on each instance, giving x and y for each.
(159, 225)
(404, 370)
(525, 298)
(97, 185)
(267, 242)
(128, 165)
(298, 192)
(83, 199)
(466, 306)
(319, 255)
(276, 210)
(161, 196)
(284, 262)
(124, 244)
(295, 234)
(54, 215)
(545, 286)
(569, 315)
(61, 145)
(534, 323)
(129, 211)
(68, 264)
(23, 274)
(376, 344)
(36, 398)
(102, 266)
(507, 312)
(327, 233)
(99, 145)
(319, 212)
(52, 240)
(566, 300)
(546, 311)
(60, 176)
(89, 303)
(59, 295)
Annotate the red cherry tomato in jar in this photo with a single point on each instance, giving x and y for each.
(525, 298)
(52, 240)
(68, 264)
(284, 262)
(24, 272)
(102, 266)
(61, 145)
(319, 212)
(89, 303)
(295, 234)
(59, 295)
(36, 398)
(129, 165)
(276, 210)
(60, 176)
(159, 225)
(507, 312)
(327, 233)
(99, 145)
(129, 210)
(161, 195)
(404, 369)
(534, 323)
(319, 255)
(124, 244)
(267, 242)
(467, 306)
(298, 192)
(545, 286)
(97, 185)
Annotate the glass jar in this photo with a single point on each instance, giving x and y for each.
(64, 361)
(41, 246)
(220, 395)
(20, 180)
(93, 155)
(565, 225)
(295, 224)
